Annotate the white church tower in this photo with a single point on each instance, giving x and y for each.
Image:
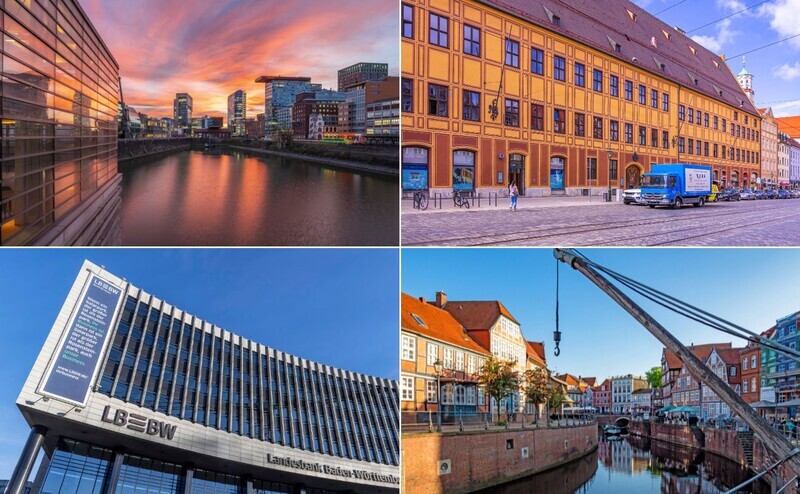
(745, 79)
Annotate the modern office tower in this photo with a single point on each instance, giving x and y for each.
(324, 104)
(237, 113)
(383, 121)
(182, 106)
(360, 95)
(58, 183)
(362, 72)
(280, 94)
(130, 392)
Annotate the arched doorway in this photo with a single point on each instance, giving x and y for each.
(734, 178)
(516, 171)
(558, 167)
(633, 176)
(723, 181)
(754, 179)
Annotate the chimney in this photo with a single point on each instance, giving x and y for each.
(422, 299)
(441, 299)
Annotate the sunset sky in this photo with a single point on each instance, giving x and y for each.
(211, 48)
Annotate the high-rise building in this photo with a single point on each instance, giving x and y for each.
(362, 72)
(237, 113)
(129, 392)
(360, 95)
(280, 94)
(59, 183)
(182, 109)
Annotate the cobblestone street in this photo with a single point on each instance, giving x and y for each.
(576, 222)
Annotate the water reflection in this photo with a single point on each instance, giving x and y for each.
(637, 466)
(192, 198)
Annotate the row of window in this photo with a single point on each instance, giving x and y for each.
(451, 359)
(452, 393)
(688, 115)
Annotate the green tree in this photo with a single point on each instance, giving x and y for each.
(556, 398)
(499, 379)
(653, 377)
(535, 388)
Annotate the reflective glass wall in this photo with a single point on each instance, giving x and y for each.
(58, 103)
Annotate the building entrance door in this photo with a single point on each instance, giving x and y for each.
(516, 172)
(633, 177)
(557, 166)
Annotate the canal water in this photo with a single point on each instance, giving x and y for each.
(636, 465)
(193, 198)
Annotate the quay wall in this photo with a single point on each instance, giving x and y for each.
(130, 149)
(461, 462)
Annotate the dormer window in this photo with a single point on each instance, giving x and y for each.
(617, 48)
(632, 15)
(419, 320)
(666, 34)
(556, 20)
(716, 64)
(693, 50)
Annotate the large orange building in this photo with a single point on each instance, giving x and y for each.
(563, 97)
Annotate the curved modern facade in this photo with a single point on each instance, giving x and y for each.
(130, 393)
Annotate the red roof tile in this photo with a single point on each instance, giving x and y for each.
(700, 351)
(533, 354)
(789, 125)
(478, 314)
(439, 324)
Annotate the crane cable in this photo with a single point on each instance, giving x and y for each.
(557, 333)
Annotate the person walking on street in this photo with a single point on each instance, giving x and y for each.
(513, 192)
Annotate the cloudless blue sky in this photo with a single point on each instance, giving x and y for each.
(776, 68)
(750, 287)
(334, 306)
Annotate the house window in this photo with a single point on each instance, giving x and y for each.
(460, 361)
(407, 388)
(537, 117)
(512, 113)
(580, 124)
(472, 106)
(699, 117)
(408, 21)
(438, 30)
(654, 98)
(598, 80)
(753, 385)
(472, 40)
(681, 112)
(753, 363)
(433, 353)
(705, 119)
(437, 100)
(556, 20)
(642, 136)
(724, 125)
(471, 364)
(665, 139)
(614, 126)
(691, 115)
(612, 172)
(733, 371)
(613, 85)
(512, 53)
(408, 347)
(665, 102)
(559, 121)
(745, 388)
(447, 394)
(642, 95)
(580, 74)
(592, 169)
(598, 128)
(716, 150)
(744, 364)
(629, 133)
(431, 394)
(716, 122)
(537, 61)
(705, 148)
(629, 90)
(691, 146)
(558, 68)
(448, 358)
(654, 137)
(408, 95)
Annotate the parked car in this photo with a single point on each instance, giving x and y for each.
(783, 194)
(731, 194)
(632, 196)
(760, 194)
(772, 194)
(795, 194)
(747, 195)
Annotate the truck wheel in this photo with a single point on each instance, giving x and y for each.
(678, 203)
(700, 202)
(651, 206)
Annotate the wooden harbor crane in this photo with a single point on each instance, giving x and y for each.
(773, 441)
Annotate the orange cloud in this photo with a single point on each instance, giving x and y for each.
(211, 48)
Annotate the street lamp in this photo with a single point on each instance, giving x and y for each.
(609, 175)
(437, 366)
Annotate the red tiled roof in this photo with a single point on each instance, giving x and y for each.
(730, 355)
(590, 380)
(700, 351)
(599, 24)
(478, 314)
(530, 349)
(789, 125)
(439, 324)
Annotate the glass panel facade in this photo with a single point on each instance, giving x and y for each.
(58, 106)
(176, 367)
(146, 476)
(78, 468)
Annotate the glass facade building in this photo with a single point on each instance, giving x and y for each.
(59, 183)
(362, 72)
(237, 113)
(180, 406)
(280, 94)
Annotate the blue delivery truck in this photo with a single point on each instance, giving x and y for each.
(675, 185)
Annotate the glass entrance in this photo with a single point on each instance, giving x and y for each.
(516, 172)
(557, 166)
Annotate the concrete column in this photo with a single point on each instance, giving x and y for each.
(248, 485)
(187, 479)
(116, 469)
(16, 484)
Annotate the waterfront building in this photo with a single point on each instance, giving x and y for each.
(496, 330)
(254, 127)
(678, 385)
(59, 183)
(602, 397)
(751, 370)
(779, 372)
(365, 93)
(324, 103)
(182, 109)
(360, 73)
(280, 93)
(725, 363)
(534, 351)
(578, 390)
(622, 389)
(383, 121)
(431, 337)
(641, 400)
(569, 98)
(161, 399)
(237, 113)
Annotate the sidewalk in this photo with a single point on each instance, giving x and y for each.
(407, 205)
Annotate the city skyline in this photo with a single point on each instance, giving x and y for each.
(211, 56)
(524, 281)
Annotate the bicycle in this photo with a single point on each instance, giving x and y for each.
(460, 199)
(421, 200)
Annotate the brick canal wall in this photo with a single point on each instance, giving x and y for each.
(481, 459)
(724, 443)
(130, 149)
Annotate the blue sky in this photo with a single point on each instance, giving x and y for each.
(338, 307)
(750, 287)
(776, 69)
